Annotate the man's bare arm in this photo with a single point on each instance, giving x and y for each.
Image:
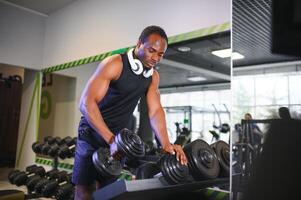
(96, 88)
(157, 119)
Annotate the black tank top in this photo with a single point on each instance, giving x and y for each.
(119, 103)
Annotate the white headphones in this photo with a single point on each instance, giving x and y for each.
(137, 66)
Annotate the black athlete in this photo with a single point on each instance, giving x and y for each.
(109, 100)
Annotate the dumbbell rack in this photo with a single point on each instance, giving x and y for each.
(155, 188)
(55, 158)
(55, 162)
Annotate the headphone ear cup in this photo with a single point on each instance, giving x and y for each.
(148, 73)
(136, 65)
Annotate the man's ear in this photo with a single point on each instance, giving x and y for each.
(139, 43)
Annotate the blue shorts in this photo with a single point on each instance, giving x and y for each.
(84, 172)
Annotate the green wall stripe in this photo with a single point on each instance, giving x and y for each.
(49, 162)
(91, 59)
(76, 62)
(172, 40)
(39, 75)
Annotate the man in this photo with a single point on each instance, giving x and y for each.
(277, 167)
(284, 113)
(109, 100)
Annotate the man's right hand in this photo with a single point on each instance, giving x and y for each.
(114, 150)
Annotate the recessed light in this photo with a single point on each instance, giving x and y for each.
(224, 53)
(237, 56)
(184, 49)
(196, 78)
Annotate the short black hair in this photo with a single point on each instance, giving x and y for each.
(152, 30)
(248, 114)
(284, 113)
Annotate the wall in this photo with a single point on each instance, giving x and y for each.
(60, 120)
(21, 37)
(86, 28)
(27, 155)
(82, 75)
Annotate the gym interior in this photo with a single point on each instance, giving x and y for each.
(265, 100)
(50, 49)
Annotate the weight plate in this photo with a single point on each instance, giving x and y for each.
(106, 166)
(130, 144)
(202, 160)
(222, 151)
(172, 169)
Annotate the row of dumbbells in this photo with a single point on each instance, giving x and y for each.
(51, 184)
(56, 147)
(204, 161)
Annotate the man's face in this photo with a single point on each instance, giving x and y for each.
(152, 50)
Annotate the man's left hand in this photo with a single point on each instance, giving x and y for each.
(178, 150)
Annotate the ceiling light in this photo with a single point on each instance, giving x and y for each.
(184, 49)
(237, 56)
(196, 78)
(224, 53)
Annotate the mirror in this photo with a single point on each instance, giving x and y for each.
(188, 66)
(60, 96)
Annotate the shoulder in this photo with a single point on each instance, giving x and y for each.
(155, 80)
(156, 77)
(110, 67)
(112, 61)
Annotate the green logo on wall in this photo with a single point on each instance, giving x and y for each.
(45, 104)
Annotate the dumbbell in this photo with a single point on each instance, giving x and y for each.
(12, 175)
(49, 189)
(54, 149)
(67, 150)
(59, 144)
(32, 181)
(50, 146)
(172, 170)
(44, 181)
(128, 145)
(40, 147)
(21, 177)
(65, 192)
(222, 151)
(49, 140)
(37, 147)
(202, 160)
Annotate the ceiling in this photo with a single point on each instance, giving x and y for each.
(45, 7)
(177, 66)
(251, 28)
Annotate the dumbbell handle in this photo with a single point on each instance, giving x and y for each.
(110, 159)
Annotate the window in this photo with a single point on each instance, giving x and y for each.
(203, 114)
(262, 95)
